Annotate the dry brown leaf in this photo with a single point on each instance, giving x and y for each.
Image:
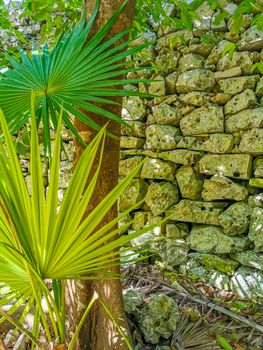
(60, 347)
(2, 345)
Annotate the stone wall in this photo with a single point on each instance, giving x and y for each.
(203, 138)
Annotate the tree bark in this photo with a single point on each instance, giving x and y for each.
(99, 332)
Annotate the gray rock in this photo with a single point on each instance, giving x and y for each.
(157, 169)
(220, 187)
(229, 73)
(181, 156)
(197, 212)
(134, 108)
(190, 61)
(232, 165)
(158, 318)
(249, 258)
(167, 60)
(235, 220)
(133, 194)
(211, 239)
(234, 86)
(214, 143)
(203, 120)
(256, 228)
(219, 280)
(252, 40)
(190, 182)
(196, 98)
(210, 261)
(161, 196)
(245, 120)
(241, 101)
(127, 165)
(239, 59)
(162, 137)
(131, 142)
(157, 87)
(247, 283)
(195, 80)
(172, 251)
(132, 301)
(166, 114)
(252, 142)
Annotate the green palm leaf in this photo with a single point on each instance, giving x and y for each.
(77, 72)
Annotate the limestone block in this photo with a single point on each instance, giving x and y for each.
(211, 239)
(216, 53)
(239, 59)
(167, 60)
(157, 87)
(252, 142)
(256, 228)
(241, 101)
(259, 88)
(234, 86)
(133, 194)
(162, 137)
(190, 182)
(258, 166)
(172, 251)
(221, 99)
(166, 114)
(249, 258)
(157, 169)
(170, 83)
(232, 165)
(214, 143)
(258, 183)
(196, 98)
(220, 187)
(190, 61)
(139, 220)
(161, 196)
(131, 142)
(204, 120)
(252, 40)
(127, 165)
(235, 220)
(174, 39)
(181, 156)
(203, 49)
(247, 283)
(244, 120)
(195, 80)
(134, 108)
(197, 212)
(179, 230)
(133, 128)
(210, 261)
(256, 200)
(228, 73)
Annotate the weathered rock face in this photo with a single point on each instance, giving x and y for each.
(162, 137)
(158, 318)
(172, 250)
(189, 182)
(252, 40)
(256, 228)
(241, 101)
(245, 120)
(166, 114)
(161, 196)
(157, 169)
(216, 262)
(234, 86)
(133, 194)
(247, 283)
(214, 143)
(252, 142)
(235, 219)
(195, 80)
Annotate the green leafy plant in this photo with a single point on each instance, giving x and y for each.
(75, 74)
(40, 241)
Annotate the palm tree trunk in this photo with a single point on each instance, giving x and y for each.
(99, 332)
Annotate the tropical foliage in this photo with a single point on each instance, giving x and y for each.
(75, 74)
(40, 240)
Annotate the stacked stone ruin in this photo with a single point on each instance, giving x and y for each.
(202, 137)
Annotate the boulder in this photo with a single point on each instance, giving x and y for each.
(232, 165)
(235, 220)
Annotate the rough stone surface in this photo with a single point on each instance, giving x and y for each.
(166, 114)
(252, 142)
(245, 120)
(204, 120)
(134, 128)
(167, 61)
(190, 182)
(256, 228)
(181, 156)
(214, 143)
(131, 142)
(211, 239)
(249, 258)
(161, 196)
(195, 80)
(158, 318)
(127, 165)
(258, 183)
(179, 37)
(228, 73)
(233, 165)
(258, 166)
(197, 212)
(196, 98)
(259, 89)
(241, 101)
(172, 251)
(135, 108)
(239, 59)
(190, 61)
(251, 40)
(234, 86)
(157, 169)
(132, 301)
(216, 262)
(162, 137)
(247, 283)
(235, 219)
(157, 87)
(133, 194)
(220, 187)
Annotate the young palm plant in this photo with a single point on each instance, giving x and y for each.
(40, 240)
(78, 71)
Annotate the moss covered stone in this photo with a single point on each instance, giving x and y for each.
(157, 169)
(245, 120)
(181, 156)
(239, 59)
(204, 120)
(190, 182)
(133, 194)
(256, 228)
(210, 261)
(252, 142)
(241, 101)
(249, 258)
(258, 183)
(234, 86)
(162, 137)
(167, 61)
(195, 80)
(251, 40)
(131, 142)
(247, 283)
(173, 251)
(161, 196)
(235, 220)
(134, 108)
(166, 114)
(133, 128)
(190, 61)
(127, 165)
(214, 143)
